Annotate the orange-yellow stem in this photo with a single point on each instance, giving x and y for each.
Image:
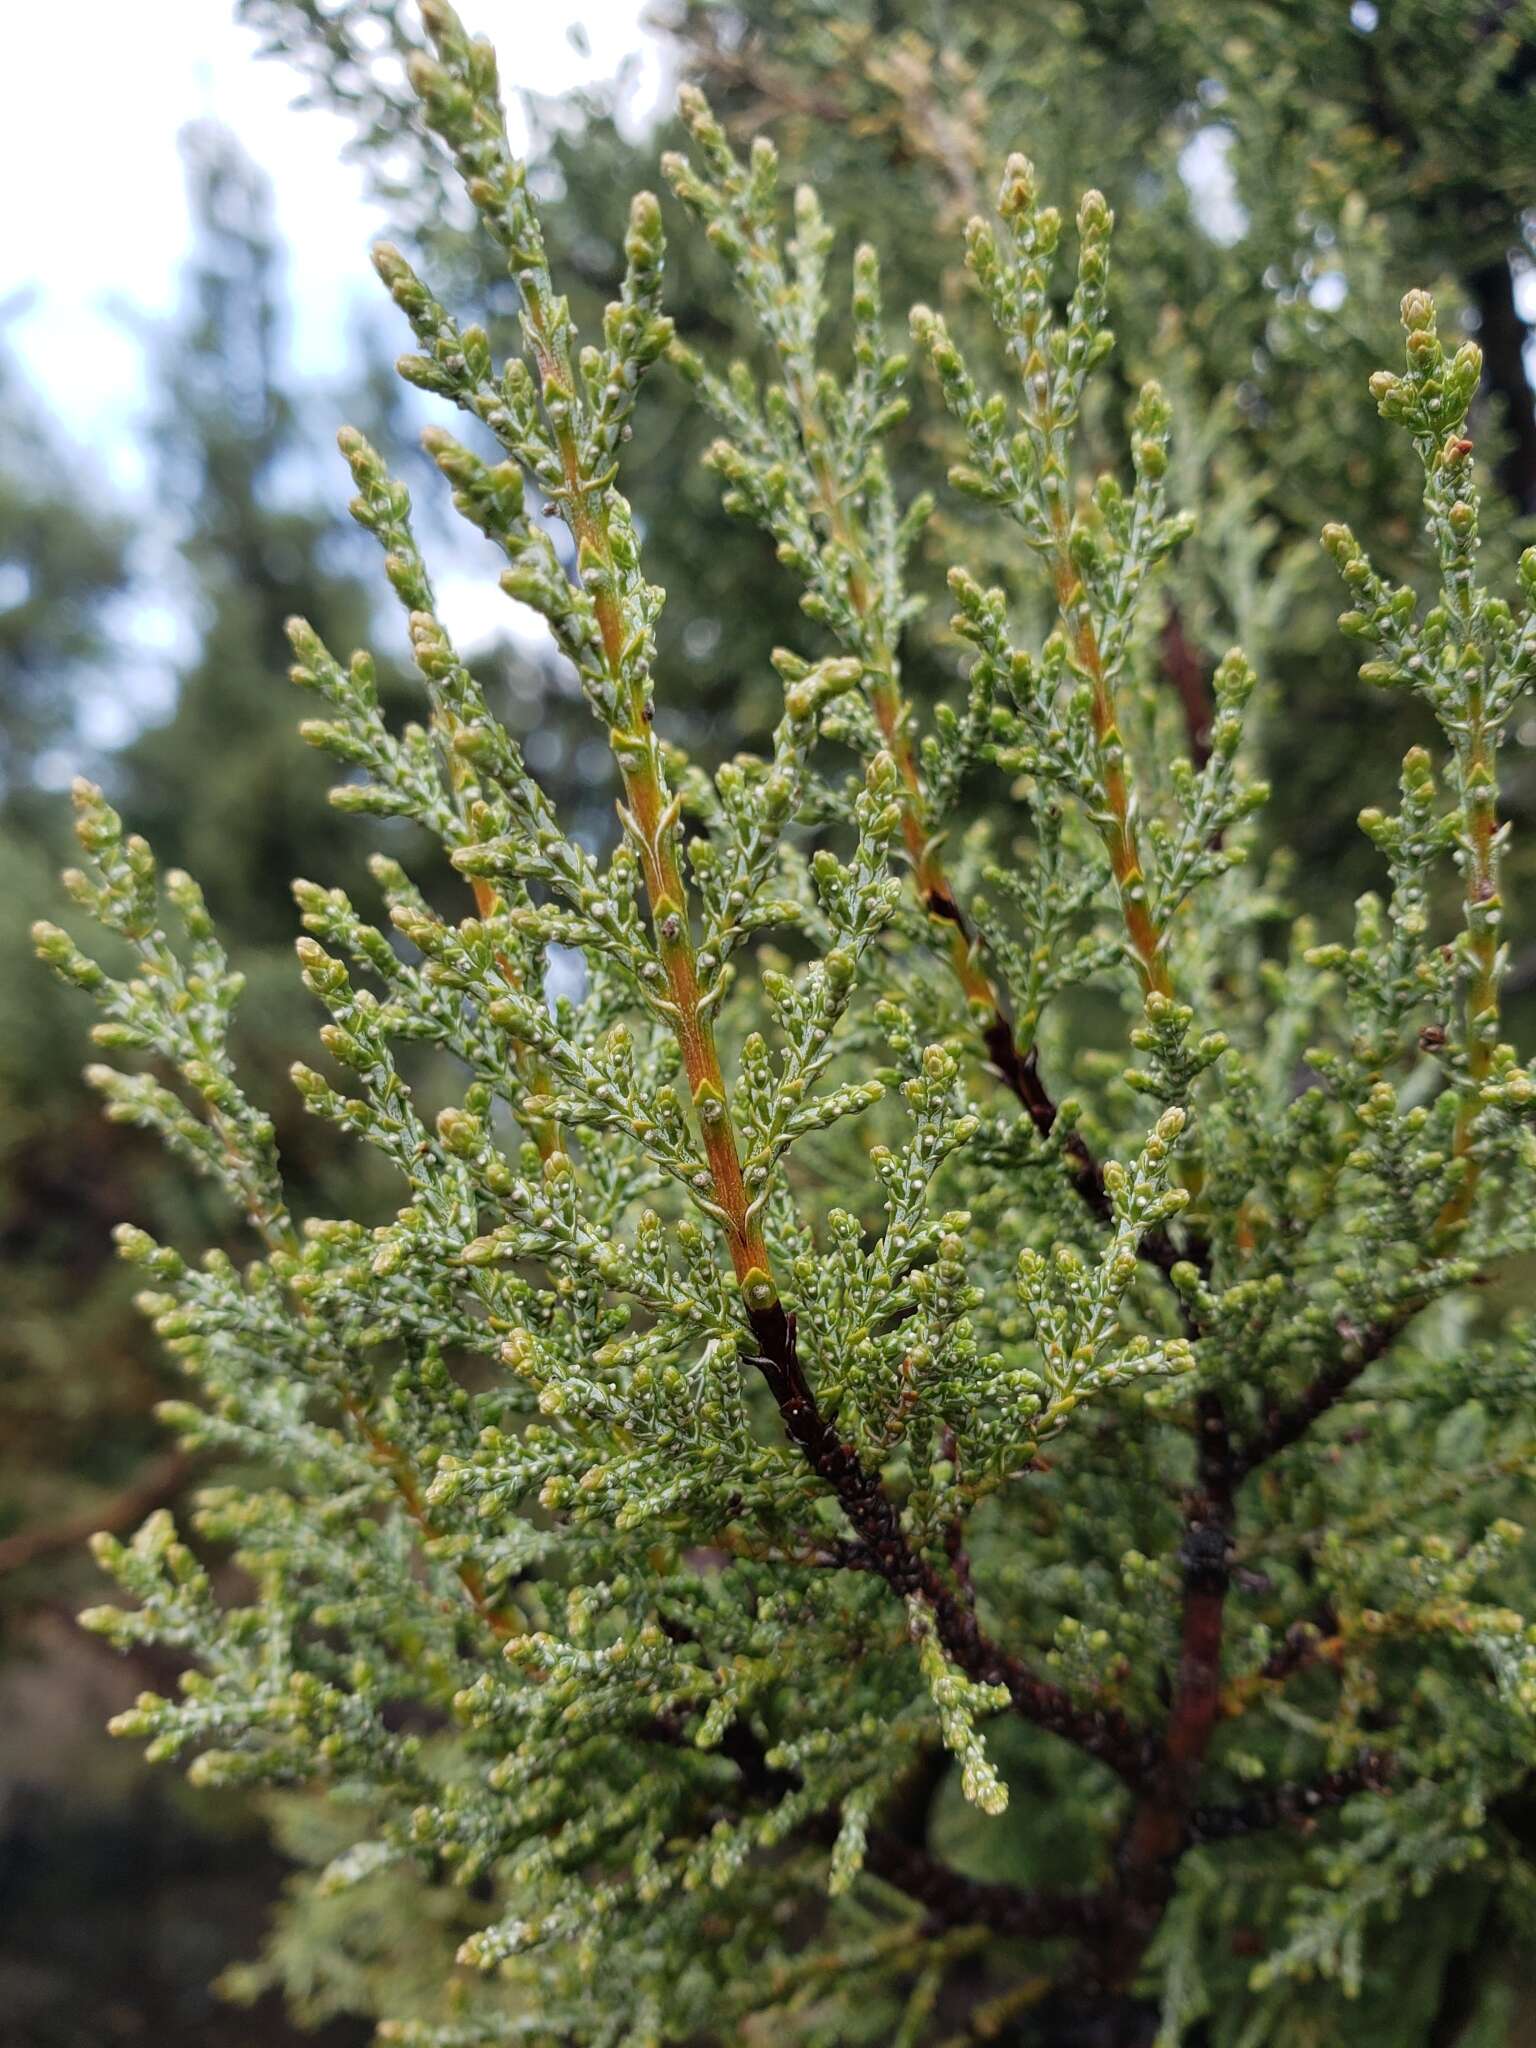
(1117, 827)
(1482, 906)
(649, 808)
(929, 875)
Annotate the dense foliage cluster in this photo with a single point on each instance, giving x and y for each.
(818, 1533)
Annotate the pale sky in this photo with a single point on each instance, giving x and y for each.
(96, 232)
(96, 216)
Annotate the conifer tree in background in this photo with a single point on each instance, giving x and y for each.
(62, 558)
(232, 448)
(800, 1527)
(223, 781)
(63, 564)
(226, 782)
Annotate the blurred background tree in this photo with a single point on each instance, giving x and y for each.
(63, 558)
(156, 1889)
(1282, 170)
(224, 780)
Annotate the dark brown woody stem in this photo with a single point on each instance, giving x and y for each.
(1286, 1424)
(1158, 1831)
(952, 1899)
(1292, 1805)
(1102, 1732)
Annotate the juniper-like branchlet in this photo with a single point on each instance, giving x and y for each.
(780, 1410)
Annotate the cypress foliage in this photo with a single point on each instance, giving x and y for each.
(818, 1531)
(1277, 170)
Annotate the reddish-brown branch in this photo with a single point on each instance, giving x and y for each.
(158, 1483)
(1158, 1831)
(1166, 1819)
(1021, 1071)
(1186, 671)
